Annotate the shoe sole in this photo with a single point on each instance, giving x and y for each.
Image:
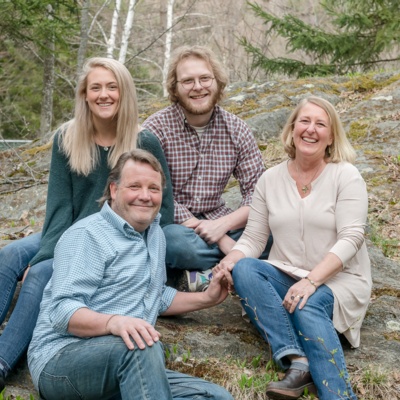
(286, 394)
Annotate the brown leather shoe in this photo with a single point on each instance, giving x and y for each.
(291, 386)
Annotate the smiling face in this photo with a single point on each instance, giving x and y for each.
(312, 131)
(197, 101)
(102, 94)
(138, 196)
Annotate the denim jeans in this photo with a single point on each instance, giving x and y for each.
(187, 250)
(103, 368)
(308, 332)
(14, 259)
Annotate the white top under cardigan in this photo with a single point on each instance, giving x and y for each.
(331, 218)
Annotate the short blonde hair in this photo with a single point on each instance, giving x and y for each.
(77, 137)
(202, 53)
(339, 150)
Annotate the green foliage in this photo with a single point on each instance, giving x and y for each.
(361, 32)
(35, 21)
(26, 27)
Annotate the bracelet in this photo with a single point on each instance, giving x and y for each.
(109, 319)
(311, 281)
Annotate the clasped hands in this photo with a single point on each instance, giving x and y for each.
(225, 267)
(297, 295)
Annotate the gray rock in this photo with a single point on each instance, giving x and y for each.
(268, 125)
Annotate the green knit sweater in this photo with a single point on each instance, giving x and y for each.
(71, 196)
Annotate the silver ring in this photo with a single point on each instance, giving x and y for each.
(298, 296)
(291, 297)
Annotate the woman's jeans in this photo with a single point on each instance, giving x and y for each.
(103, 368)
(187, 250)
(14, 259)
(308, 332)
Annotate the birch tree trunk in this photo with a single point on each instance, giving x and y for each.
(84, 36)
(46, 113)
(168, 44)
(114, 26)
(127, 31)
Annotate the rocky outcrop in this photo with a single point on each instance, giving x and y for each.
(369, 106)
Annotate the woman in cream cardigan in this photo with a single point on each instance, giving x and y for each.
(317, 280)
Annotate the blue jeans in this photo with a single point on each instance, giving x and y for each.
(308, 332)
(103, 368)
(187, 250)
(14, 259)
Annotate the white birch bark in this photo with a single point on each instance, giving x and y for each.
(114, 26)
(84, 37)
(127, 31)
(168, 44)
(46, 113)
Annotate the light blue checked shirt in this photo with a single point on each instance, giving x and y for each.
(103, 264)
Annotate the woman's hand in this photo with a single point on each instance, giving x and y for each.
(26, 273)
(298, 294)
(226, 267)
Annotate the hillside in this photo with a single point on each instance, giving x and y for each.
(217, 343)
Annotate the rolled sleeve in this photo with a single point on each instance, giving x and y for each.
(168, 296)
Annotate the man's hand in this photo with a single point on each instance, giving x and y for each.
(191, 223)
(137, 329)
(184, 302)
(211, 230)
(217, 291)
(225, 267)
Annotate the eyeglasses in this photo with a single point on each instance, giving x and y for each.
(205, 82)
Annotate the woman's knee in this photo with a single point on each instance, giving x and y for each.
(39, 274)
(242, 268)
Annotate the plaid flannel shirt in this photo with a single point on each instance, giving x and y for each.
(201, 167)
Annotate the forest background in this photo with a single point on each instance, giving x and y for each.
(44, 43)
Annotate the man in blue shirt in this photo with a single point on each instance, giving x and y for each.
(95, 336)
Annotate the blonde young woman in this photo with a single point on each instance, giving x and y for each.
(104, 126)
(317, 280)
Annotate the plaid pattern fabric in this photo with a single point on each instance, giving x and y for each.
(201, 167)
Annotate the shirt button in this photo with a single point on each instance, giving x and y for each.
(200, 177)
(198, 199)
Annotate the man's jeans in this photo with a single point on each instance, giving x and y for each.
(308, 332)
(14, 259)
(103, 368)
(187, 250)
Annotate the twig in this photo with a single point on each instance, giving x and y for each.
(37, 183)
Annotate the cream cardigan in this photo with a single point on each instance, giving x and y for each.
(331, 218)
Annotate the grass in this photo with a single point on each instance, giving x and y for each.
(247, 379)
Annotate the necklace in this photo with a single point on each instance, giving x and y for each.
(105, 148)
(306, 187)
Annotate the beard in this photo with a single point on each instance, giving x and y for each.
(199, 110)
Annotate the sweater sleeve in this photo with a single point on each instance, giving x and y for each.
(147, 141)
(59, 211)
(351, 213)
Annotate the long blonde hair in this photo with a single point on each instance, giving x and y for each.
(77, 135)
(339, 150)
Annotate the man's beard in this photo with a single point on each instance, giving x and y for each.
(201, 110)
